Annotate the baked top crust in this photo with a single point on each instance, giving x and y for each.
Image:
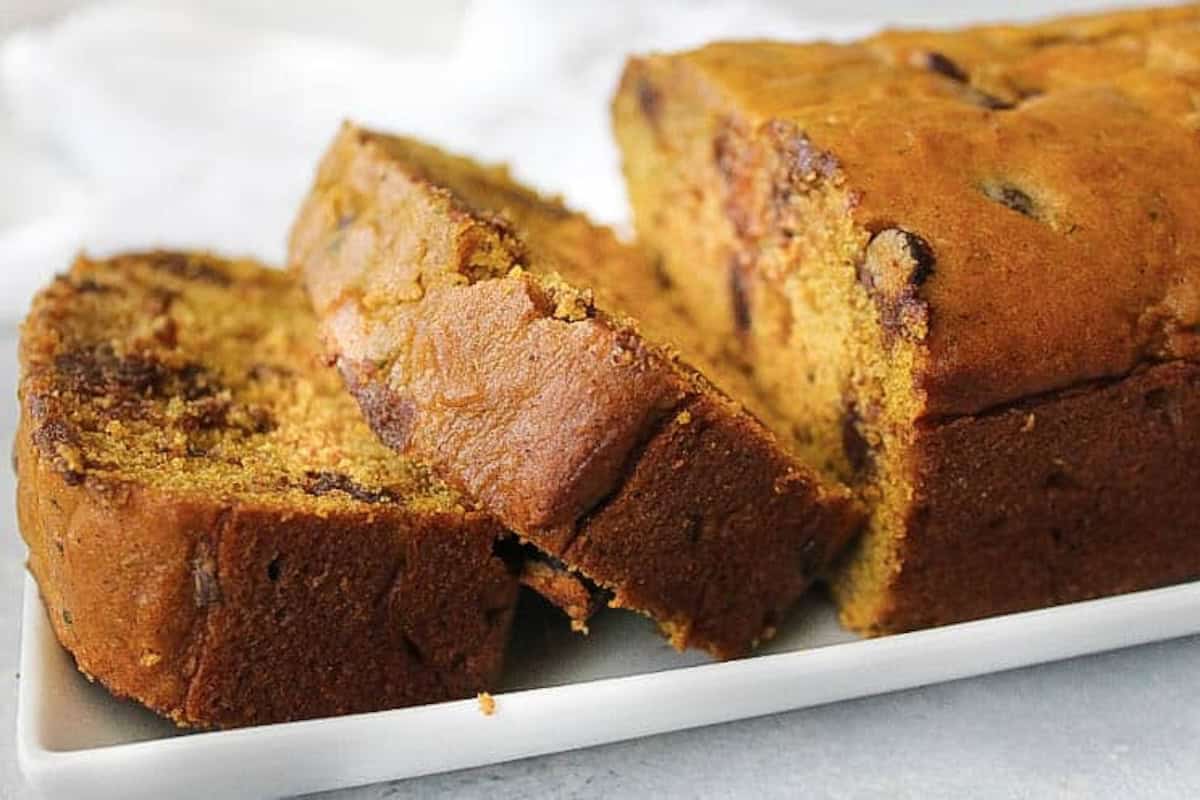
(1051, 170)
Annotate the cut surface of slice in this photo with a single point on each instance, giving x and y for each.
(537, 362)
(215, 531)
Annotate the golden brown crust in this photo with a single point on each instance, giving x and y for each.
(1077, 495)
(222, 601)
(1009, 150)
(714, 532)
(467, 316)
(71, 539)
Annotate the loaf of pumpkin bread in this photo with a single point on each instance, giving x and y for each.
(965, 268)
(537, 363)
(215, 531)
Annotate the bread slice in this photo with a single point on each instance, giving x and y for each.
(534, 360)
(214, 529)
(977, 252)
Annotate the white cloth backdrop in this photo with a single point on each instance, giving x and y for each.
(140, 124)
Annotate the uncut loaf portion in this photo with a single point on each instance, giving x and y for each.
(215, 531)
(537, 363)
(965, 267)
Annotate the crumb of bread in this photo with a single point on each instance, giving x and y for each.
(487, 704)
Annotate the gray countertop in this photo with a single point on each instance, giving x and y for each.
(1123, 724)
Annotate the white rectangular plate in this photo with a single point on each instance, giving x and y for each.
(561, 692)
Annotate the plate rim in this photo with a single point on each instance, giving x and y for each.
(622, 707)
